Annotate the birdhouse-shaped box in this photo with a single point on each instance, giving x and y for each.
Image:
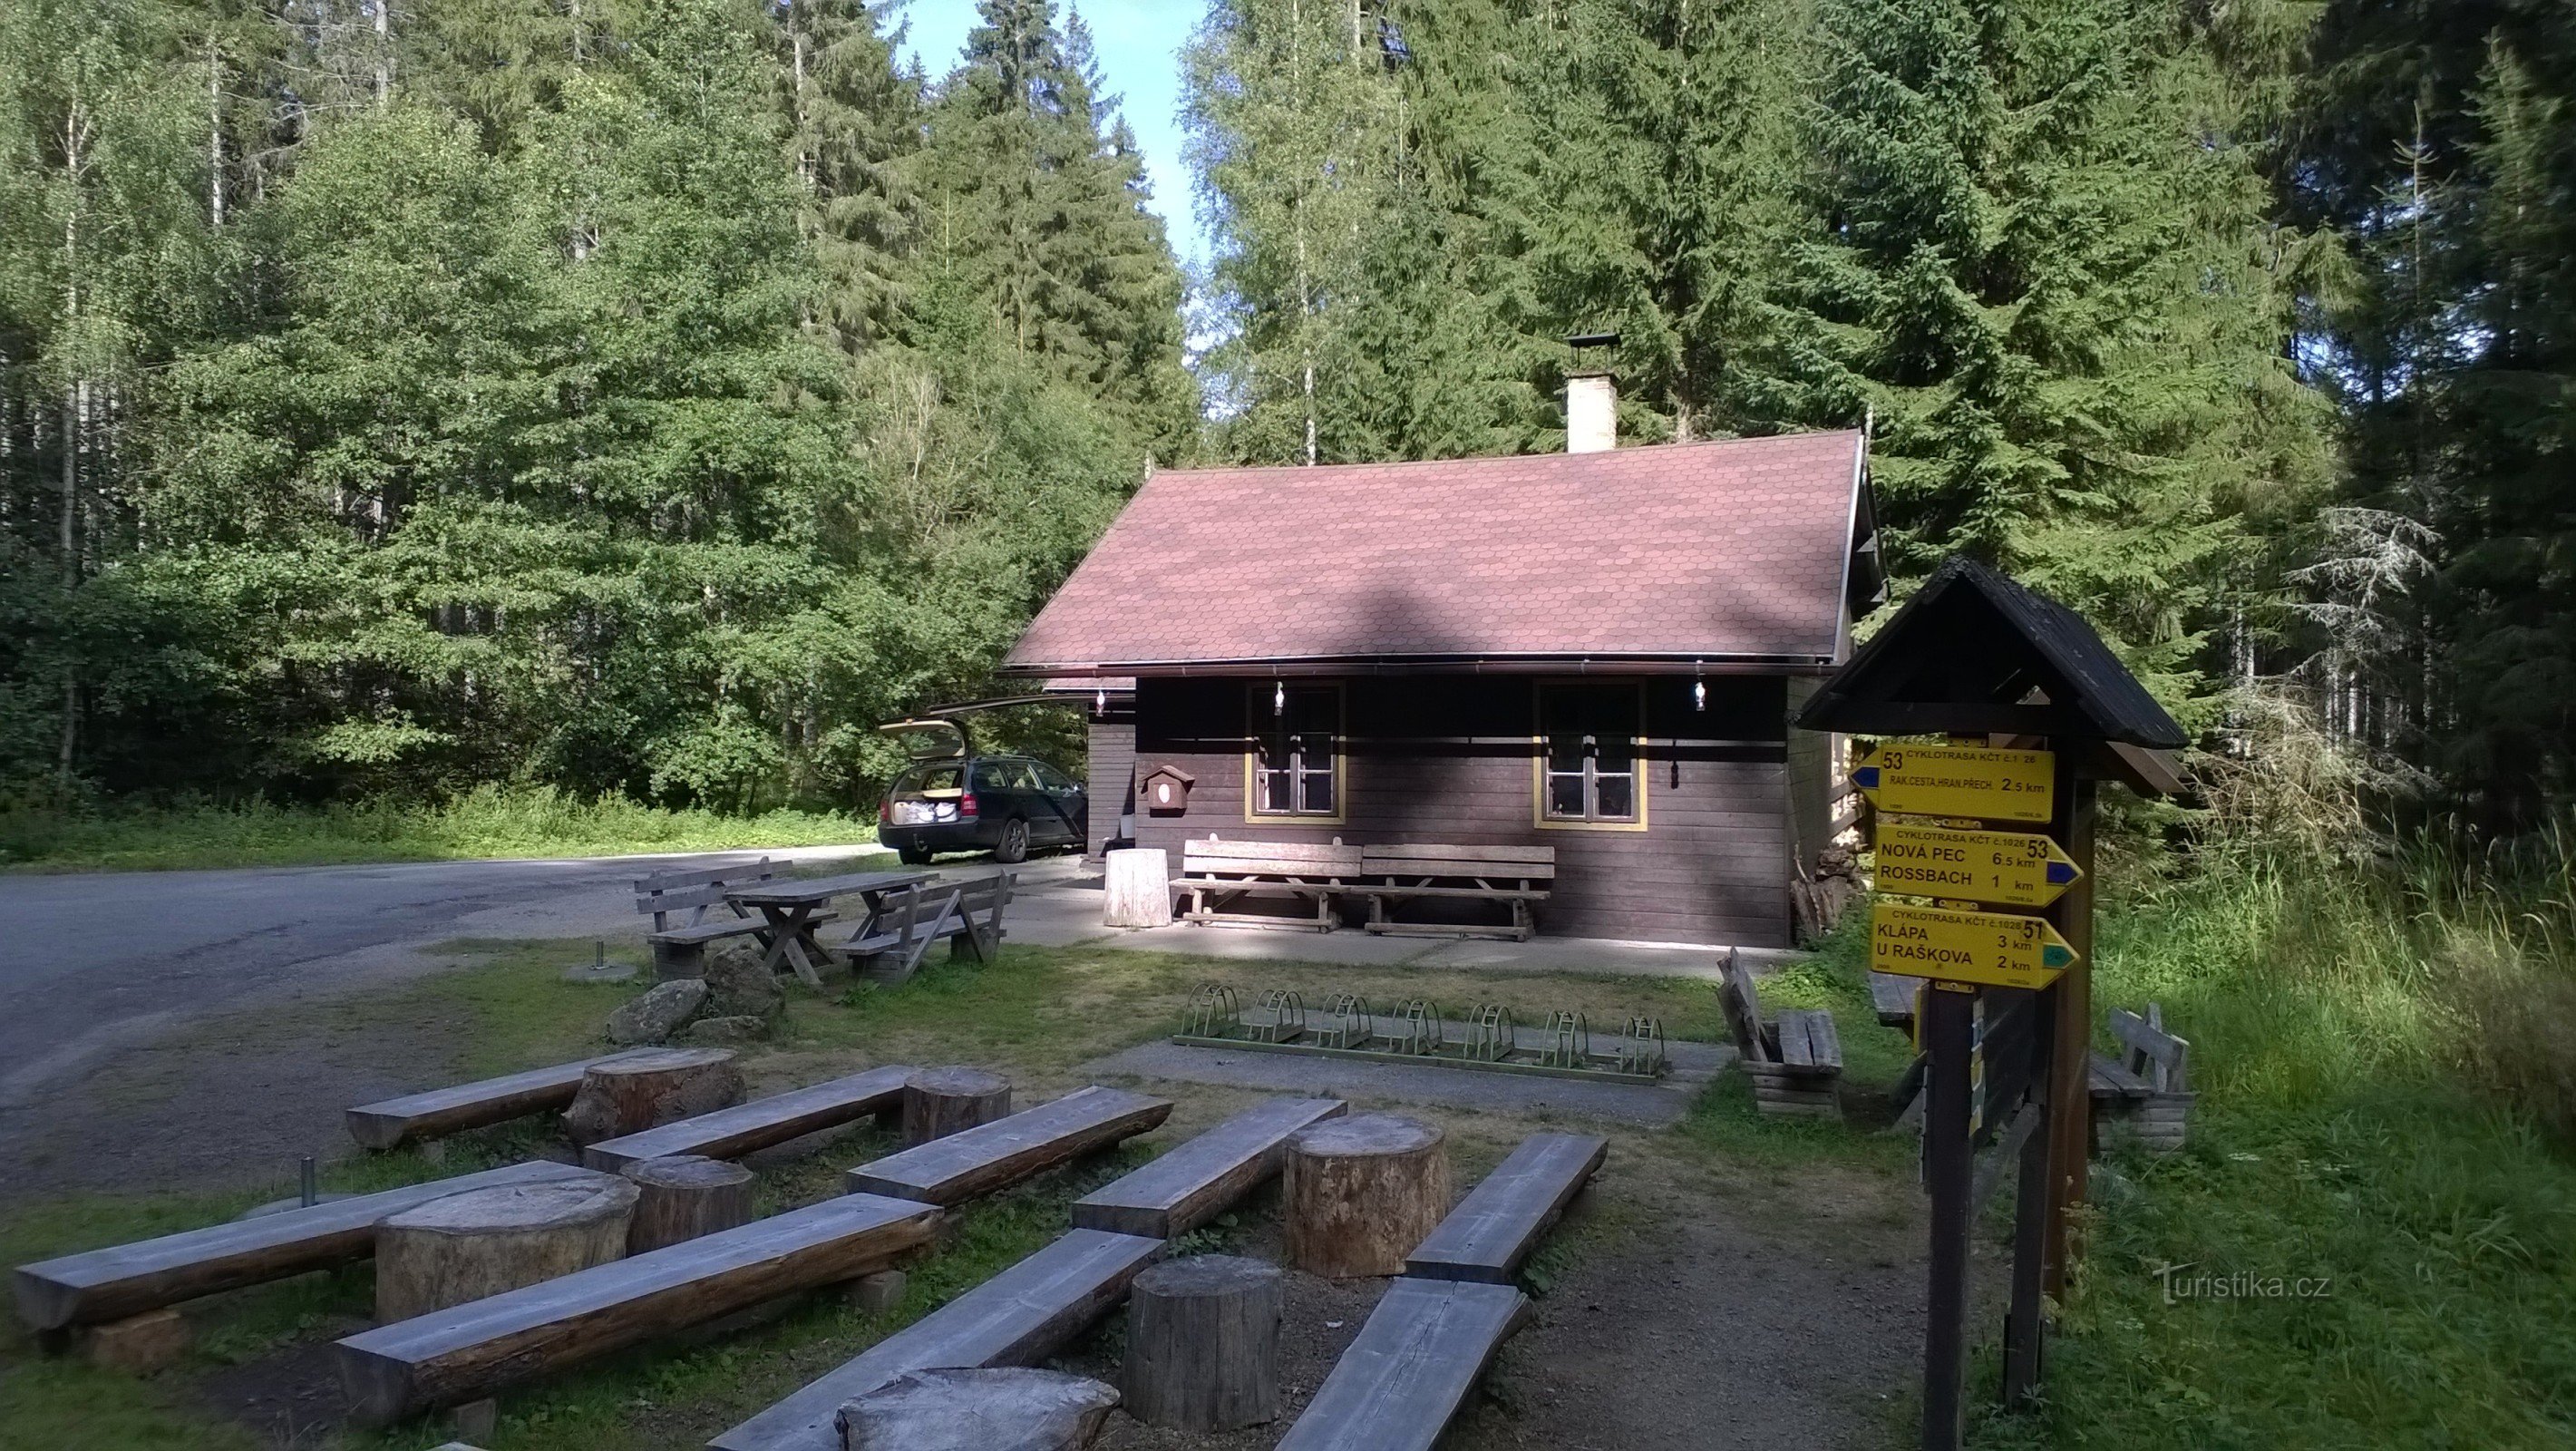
(1165, 790)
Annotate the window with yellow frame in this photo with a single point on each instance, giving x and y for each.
(1588, 762)
(1294, 771)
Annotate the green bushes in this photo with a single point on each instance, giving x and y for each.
(486, 822)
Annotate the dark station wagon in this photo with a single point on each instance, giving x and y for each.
(952, 799)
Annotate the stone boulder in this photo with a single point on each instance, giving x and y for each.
(1006, 1409)
(738, 986)
(654, 1017)
(722, 1032)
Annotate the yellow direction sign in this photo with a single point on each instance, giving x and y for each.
(1978, 781)
(1989, 948)
(2006, 868)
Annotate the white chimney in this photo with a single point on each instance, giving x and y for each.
(1591, 412)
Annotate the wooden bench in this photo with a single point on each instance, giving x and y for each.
(2150, 1093)
(468, 1351)
(1018, 1317)
(1195, 1182)
(1795, 1064)
(679, 948)
(730, 1133)
(110, 1284)
(1892, 998)
(967, 915)
(471, 1105)
(1513, 876)
(1495, 1227)
(1402, 1380)
(1007, 1150)
(1215, 875)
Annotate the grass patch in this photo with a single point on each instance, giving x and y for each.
(2340, 1137)
(487, 822)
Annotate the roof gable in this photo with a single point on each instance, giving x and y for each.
(1733, 550)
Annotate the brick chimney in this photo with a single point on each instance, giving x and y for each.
(1591, 399)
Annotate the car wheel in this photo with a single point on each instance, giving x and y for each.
(1014, 845)
(914, 856)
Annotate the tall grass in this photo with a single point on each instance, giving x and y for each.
(488, 822)
(2381, 1039)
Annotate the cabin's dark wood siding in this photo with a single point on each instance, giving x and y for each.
(1112, 784)
(1811, 783)
(1449, 758)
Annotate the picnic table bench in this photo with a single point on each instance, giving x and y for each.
(1513, 876)
(1018, 1317)
(1794, 1063)
(730, 1133)
(1008, 1150)
(1195, 1182)
(890, 945)
(679, 948)
(468, 1351)
(1402, 1380)
(440, 1111)
(1215, 875)
(110, 1284)
(791, 910)
(2150, 1092)
(1495, 1227)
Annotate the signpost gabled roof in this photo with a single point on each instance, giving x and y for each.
(1974, 652)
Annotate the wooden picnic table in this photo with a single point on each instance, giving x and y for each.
(791, 907)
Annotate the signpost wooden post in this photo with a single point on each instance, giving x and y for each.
(2003, 825)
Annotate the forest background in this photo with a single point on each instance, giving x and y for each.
(644, 398)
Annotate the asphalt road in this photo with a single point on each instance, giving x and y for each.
(97, 960)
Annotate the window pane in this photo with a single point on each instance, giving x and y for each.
(1274, 791)
(1618, 796)
(1565, 752)
(1319, 793)
(1565, 795)
(1314, 709)
(1614, 751)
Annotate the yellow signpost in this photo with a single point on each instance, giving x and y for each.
(1999, 868)
(1992, 949)
(1978, 781)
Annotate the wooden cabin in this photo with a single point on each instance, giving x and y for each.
(1598, 651)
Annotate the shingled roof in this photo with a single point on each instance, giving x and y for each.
(1740, 550)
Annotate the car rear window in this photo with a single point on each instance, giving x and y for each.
(935, 780)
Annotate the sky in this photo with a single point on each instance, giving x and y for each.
(1139, 47)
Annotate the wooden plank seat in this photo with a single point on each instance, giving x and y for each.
(1007, 1150)
(1514, 876)
(466, 1352)
(110, 1284)
(966, 915)
(440, 1111)
(2146, 1093)
(730, 1133)
(1217, 875)
(1196, 1181)
(678, 902)
(1892, 998)
(1402, 1380)
(1493, 1230)
(1018, 1317)
(1795, 1064)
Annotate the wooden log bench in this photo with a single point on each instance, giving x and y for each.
(1018, 1317)
(2147, 1092)
(468, 1351)
(1402, 1380)
(1007, 1150)
(442, 1111)
(1795, 1063)
(730, 1133)
(679, 947)
(1513, 877)
(890, 946)
(1217, 875)
(1197, 1181)
(123, 1280)
(1492, 1231)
